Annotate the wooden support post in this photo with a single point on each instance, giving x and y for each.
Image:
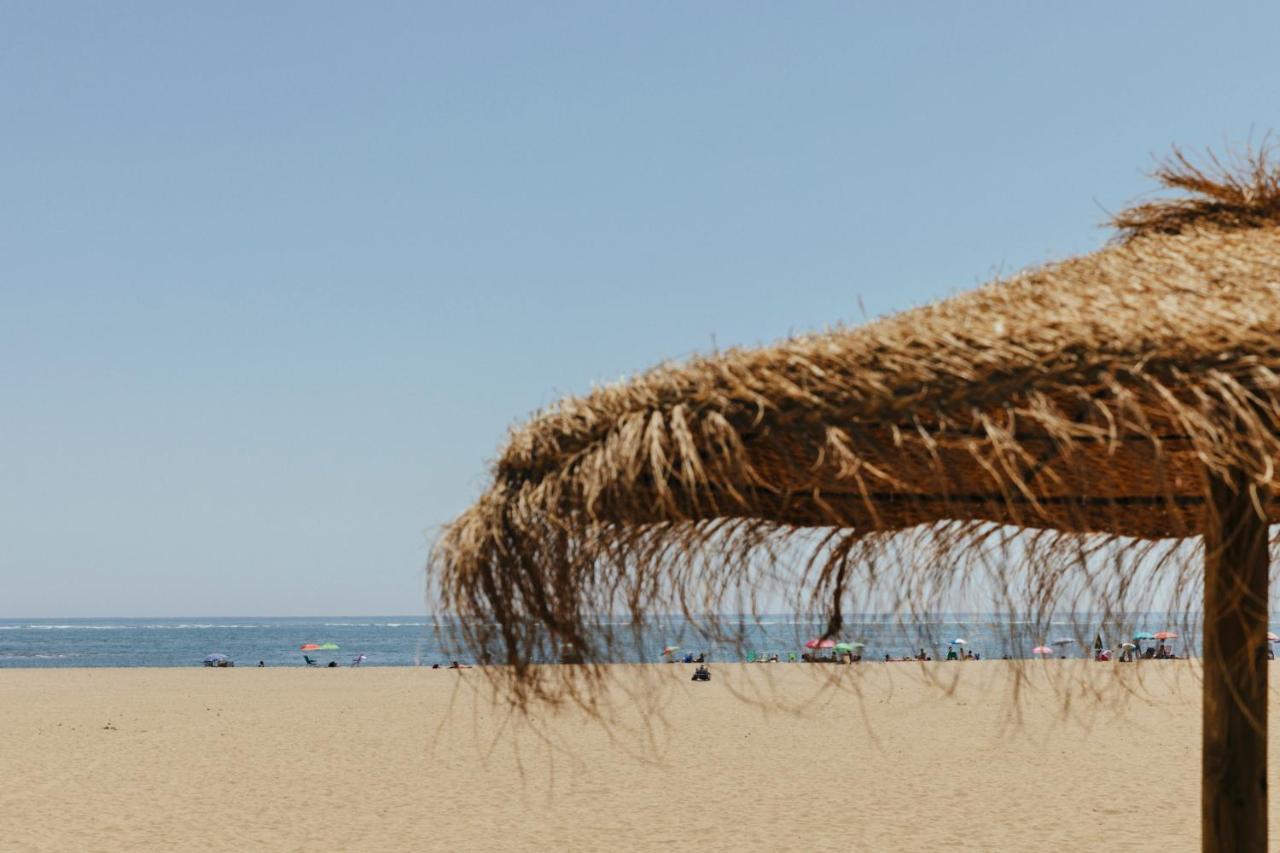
(1234, 785)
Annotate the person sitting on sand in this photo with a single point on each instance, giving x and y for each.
(333, 663)
(920, 655)
(951, 653)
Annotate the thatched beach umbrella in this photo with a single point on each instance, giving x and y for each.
(1130, 396)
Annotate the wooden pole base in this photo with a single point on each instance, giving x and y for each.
(1234, 747)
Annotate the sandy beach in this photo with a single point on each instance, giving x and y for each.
(401, 759)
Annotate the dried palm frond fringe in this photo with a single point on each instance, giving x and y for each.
(1045, 440)
(1244, 192)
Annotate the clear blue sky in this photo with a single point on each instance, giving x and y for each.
(276, 278)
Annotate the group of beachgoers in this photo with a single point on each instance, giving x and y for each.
(333, 664)
(219, 660)
(688, 658)
(851, 657)
(1130, 652)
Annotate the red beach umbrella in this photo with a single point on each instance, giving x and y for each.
(309, 647)
(819, 643)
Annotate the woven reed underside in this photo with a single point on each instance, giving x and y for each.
(1128, 488)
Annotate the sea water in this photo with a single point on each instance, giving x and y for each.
(421, 641)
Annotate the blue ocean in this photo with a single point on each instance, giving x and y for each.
(417, 640)
(386, 641)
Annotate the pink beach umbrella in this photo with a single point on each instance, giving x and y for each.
(1166, 635)
(819, 643)
(1042, 650)
(1272, 638)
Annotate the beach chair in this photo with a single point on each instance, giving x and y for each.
(310, 660)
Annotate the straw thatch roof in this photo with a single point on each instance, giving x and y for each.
(1087, 396)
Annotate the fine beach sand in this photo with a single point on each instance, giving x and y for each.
(401, 759)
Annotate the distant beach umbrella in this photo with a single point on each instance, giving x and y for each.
(1105, 410)
(819, 643)
(1272, 638)
(959, 641)
(849, 647)
(309, 647)
(1042, 650)
(1144, 635)
(668, 650)
(328, 647)
(215, 659)
(1166, 635)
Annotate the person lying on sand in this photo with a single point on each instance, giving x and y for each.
(456, 665)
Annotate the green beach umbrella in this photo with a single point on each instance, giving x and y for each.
(328, 647)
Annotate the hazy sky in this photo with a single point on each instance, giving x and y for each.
(276, 278)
